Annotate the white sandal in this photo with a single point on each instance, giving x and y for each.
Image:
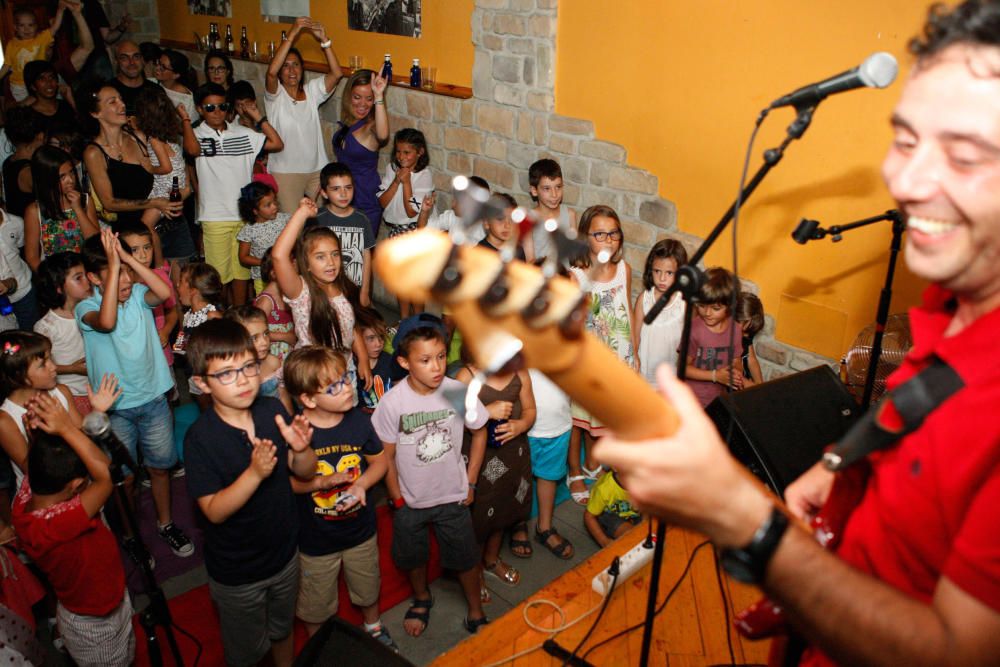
(579, 497)
(592, 475)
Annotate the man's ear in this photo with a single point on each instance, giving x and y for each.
(199, 381)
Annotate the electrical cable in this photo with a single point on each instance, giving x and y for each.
(552, 631)
(725, 608)
(613, 571)
(659, 609)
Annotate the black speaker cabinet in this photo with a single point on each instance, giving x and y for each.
(780, 428)
(340, 643)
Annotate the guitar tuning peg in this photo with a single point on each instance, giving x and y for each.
(473, 205)
(506, 357)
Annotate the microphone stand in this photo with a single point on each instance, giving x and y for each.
(809, 230)
(688, 283)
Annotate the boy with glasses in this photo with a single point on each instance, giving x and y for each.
(224, 155)
(338, 522)
(240, 455)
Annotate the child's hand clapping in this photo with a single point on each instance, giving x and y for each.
(47, 414)
(263, 458)
(298, 434)
(106, 395)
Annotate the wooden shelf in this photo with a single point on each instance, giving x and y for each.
(445, 89)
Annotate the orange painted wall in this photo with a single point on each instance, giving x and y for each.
(679, 84)
(437, 46)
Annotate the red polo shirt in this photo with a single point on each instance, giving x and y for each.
(932, 505)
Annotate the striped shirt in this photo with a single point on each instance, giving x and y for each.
(224, 165)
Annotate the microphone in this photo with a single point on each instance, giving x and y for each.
(877, 71)
(97, 426)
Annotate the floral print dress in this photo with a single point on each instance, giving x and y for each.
(610, 319)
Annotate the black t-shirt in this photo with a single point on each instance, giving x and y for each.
(519, 254)
(382, 381)
(257, 540)
(129, 94)
(64, 116)
(16, 199)
(324, 530)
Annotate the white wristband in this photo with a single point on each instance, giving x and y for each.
(713, 375)
(326, 44)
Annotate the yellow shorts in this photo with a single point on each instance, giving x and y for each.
(222, 250)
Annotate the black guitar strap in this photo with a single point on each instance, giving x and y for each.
(899, 413)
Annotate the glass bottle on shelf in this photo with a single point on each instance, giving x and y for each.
(387, 68)
(213, 35)
(415, 74)
(230, 45)
(244, 44)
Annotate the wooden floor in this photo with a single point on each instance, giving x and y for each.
(690, 631)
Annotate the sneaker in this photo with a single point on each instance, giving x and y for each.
(131, 546)
(381, 634)
(146, 484)
(178, 541)
(178, 471)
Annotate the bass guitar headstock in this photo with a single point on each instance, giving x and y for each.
(514, 314)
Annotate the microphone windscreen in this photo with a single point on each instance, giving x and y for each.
(878, 70)
(96, 424)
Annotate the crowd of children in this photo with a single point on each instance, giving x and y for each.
(308, 397)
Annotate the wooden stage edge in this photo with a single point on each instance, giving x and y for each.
(689, 632)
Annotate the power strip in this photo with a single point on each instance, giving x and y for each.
(628, 564)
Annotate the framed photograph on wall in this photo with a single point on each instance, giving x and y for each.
(391, 17)
(211, 7)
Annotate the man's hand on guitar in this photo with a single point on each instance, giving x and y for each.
(689, 478)
(806, 495)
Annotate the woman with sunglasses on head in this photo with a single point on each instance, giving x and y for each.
(173, 71)
(292, 105)
(121, 173)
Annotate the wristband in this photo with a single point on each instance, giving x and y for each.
(379, 102)
(472, 486)
(326, 44)
(713, 376)
(397, 503)
(260, 123)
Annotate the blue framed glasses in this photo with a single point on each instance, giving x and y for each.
(347, 379)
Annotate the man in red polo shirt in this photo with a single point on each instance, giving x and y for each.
(916, 579)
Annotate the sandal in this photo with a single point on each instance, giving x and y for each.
(472, 626)
(592, 475)
(509, 576)
(422, 616)
(579, 497)
(563, 549)
(524, 545)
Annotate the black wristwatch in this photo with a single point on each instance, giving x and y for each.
(749, 563)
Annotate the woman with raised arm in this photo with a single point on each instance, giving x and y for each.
(364, 129)
(292, 106)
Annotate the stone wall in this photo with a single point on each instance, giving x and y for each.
(145, 18)
(509, 123)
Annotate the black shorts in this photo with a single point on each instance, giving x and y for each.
(452, 524)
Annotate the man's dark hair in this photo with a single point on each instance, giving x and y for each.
(217, 339)
(420, 333)
(208, 90)
(23, 125)
(52, 464)
(334, 169)
(974, 22)
(34, 70)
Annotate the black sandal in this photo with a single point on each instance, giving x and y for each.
(559, 550)
(422, 616)
(524, 545)
(472, 626)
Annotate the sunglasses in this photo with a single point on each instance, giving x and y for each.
(225, 106)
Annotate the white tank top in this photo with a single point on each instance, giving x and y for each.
(16, 412)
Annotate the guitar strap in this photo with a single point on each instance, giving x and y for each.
(899, 413)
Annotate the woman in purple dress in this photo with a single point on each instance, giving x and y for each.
(364, 129)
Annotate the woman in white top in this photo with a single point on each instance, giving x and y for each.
(292, 107)
(173, 71)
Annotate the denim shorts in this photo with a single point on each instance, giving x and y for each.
(150, 425)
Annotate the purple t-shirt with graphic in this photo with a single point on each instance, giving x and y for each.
(711, 350)
(427, 431)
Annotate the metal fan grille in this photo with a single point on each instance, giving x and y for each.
(896, 342)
